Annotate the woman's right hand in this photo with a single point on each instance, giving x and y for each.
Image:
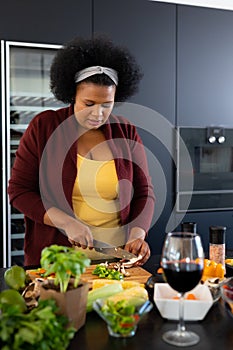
(79, 234)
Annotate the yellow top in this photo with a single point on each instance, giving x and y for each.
(96, 203)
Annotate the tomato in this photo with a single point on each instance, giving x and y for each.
(230, 293)
(131, 324)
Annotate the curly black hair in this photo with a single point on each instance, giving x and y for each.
(81, 53)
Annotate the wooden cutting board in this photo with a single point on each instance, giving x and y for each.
(137, 274)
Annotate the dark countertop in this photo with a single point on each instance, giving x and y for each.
(215, 331)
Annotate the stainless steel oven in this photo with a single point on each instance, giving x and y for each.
(211, 153)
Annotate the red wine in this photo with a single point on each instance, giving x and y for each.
(182, 276)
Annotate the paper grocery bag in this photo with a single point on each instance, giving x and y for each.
(72, 303)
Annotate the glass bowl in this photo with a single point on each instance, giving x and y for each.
(122, 322)
(214, 284)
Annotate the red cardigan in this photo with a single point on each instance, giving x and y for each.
(45, 169)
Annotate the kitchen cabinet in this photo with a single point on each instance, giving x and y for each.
(204, 94)
(204, 67)
(29, 24)
(148, 30)
(51, 22)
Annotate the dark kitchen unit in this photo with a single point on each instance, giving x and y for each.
(186, 55)
(204, 108)
(211, 153)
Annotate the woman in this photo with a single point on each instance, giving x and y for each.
(80, 171)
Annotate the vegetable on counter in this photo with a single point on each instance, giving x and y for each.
(101, 293)
(105, 289)
(12, 297)
(39, 273)
(40, 329)
(103, 271)
(134, 296)
(15, 277)
(65, 262)
(21, 328)
(97, 283)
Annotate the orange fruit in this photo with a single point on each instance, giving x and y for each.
(219, 271)
(160, 270)
(209, 268)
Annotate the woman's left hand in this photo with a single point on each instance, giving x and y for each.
(138, 247)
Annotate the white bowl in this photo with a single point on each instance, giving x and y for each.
(194, 310)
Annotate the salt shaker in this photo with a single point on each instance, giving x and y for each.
(217, 244)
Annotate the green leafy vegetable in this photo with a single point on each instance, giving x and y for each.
(40, 329)
(104, 272)
(65, 262)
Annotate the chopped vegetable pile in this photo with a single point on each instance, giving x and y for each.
(103, 271)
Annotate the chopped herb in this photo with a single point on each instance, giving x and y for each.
(104, 272)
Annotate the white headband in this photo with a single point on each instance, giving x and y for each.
(88, 72)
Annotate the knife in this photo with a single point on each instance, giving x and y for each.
(109, 249)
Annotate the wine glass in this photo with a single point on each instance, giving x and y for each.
(182, 261)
